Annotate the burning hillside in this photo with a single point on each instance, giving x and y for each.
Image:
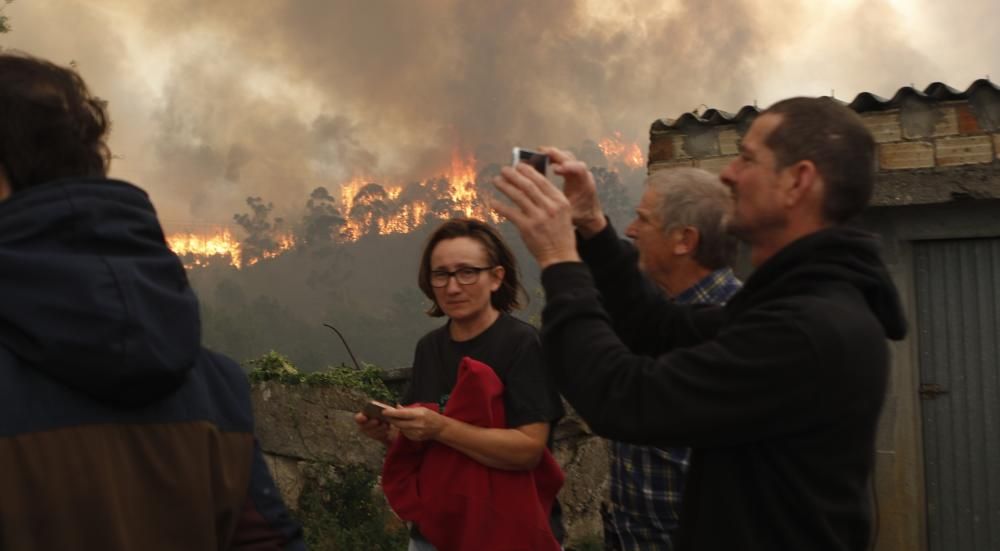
(199, 250)
(620, 152)
(364, 207)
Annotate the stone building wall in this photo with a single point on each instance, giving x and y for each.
(929, 151)
(304, 429)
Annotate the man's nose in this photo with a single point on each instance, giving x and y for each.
(727, 175)
(630, 230)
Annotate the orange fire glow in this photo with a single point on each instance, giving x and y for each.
(199, 251)
(384, 209)
(203, 248)
(462, 182)
(618, 151)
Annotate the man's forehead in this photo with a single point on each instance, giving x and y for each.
(650, 200)
(760, 129)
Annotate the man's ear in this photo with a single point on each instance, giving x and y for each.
(804, 179)
(687, 240)
(5, 187)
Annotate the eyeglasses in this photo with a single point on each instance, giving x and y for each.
(464, 276)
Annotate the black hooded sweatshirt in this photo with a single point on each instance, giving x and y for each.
(117, 429)
(778, 392)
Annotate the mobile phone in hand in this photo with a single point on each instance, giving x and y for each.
(538, 160)
(373, 410)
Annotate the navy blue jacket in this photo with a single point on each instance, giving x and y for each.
(117, 429)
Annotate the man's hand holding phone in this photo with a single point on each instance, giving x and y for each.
(580, 190)
(538, 160)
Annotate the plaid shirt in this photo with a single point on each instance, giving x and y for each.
(647, 482)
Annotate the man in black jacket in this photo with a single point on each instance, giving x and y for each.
(778, 392)
(118, 431)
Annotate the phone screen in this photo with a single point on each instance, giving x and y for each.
(539, 161)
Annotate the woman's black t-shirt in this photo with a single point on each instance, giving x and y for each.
(513, 349)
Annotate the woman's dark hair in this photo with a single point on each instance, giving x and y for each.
(50, 125)
(504, 299)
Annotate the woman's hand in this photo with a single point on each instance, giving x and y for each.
(375, 429)
(416, 423)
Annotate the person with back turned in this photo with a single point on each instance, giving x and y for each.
(778, 393)
(118, 431)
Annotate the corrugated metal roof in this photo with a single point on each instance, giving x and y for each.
(862, 103)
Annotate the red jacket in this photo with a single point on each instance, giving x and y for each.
(459, 503)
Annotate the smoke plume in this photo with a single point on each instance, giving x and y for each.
(214, 102)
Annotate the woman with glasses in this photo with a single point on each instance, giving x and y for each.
(471, 277)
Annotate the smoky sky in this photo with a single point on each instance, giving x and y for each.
(216, 101)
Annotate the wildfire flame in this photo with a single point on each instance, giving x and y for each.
(388, 208)
(284, 244)
(617, 151)
(406, 216)
(462, 180)
(199, 251)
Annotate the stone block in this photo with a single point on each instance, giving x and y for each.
(314, 423)
(715, 165)
(679, 151)
(288, 477)
(996, 145)
(905, 155)
(701, 143)
(585, 462)
(967, 123)
(884, 126)
(653, 167)
(964, 151)
(729, 142)
(661, 148)
(921, 120)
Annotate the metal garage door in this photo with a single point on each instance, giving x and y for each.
(958, 320)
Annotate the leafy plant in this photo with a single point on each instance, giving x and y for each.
(345, 511)
(275, 367)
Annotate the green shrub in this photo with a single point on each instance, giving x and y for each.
(345, 511)
(275, 367)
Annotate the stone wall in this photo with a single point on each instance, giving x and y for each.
(304, 429)
(928, 151)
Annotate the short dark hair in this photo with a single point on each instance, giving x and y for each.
(504, 299)
(834, 138)
(50, 125)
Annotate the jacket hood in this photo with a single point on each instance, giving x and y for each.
(837, 254)
(90, 295)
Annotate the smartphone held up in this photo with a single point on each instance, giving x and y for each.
(539, 161)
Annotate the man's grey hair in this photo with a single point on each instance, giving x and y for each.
(696, 198)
